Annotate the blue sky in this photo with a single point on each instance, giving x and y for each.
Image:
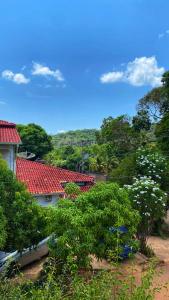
(67, 64)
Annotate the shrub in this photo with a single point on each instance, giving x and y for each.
(82, 227)
(145, 162)
(72, 190)
(104, 286)
(150, 201)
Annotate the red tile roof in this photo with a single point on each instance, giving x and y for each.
(45, 179)
(8, 133)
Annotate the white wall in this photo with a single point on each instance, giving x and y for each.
(43, 202)
(9, 154)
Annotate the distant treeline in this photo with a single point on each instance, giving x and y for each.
(82, 137)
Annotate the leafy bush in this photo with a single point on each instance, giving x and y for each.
(150, 201)
(72, 189)
(144, 162)
(126, 171)
(104, 286)
(82, 227)
(152, 164)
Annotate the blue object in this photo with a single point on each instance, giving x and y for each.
(126, 250)
(122, 229)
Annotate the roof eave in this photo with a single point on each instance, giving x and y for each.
(10, 143)
(46, 194)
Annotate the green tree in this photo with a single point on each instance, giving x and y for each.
(156, 102)
(126, 170)
(80, 138)
(141, 121)
(34, 139)
(69, 157)
(55, 158)
(145, 162)
(26, 221)
(119, 134)
(82, 227)
(162, 134)
(102, 158)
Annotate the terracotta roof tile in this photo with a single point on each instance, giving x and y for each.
(45, 179)
(8, 133)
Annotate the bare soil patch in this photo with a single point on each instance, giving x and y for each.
(136, 265)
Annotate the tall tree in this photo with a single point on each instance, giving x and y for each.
(102, 158)
(34, 139)
(162, 134)
(25, 221)
(156, 102)
(141, 121)
(117, 132)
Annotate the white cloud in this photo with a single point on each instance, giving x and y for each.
(39, 69)
(163, 34)
(141, 71)
(111, 77)
(18, 78)
(144, 71)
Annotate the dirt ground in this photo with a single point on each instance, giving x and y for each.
(161, 249)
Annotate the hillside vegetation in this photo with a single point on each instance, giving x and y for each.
(75, 137)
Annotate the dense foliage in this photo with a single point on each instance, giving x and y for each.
(119, 134)
(145, 173)
(69, 157)
(74, 138)
(141, 121)
(144, 162)
(162, 134)
(94, 158)
(85, 226)
(156, 102)
(34, 139)
(72, 190)
(23, 220)
(2, 228)
(103, 286)
(150, 201)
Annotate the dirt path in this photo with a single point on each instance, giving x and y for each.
(161, 249)
(139, 263)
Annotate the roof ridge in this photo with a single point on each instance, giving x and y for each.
(55, 167)
(7, 124)
(42, 179)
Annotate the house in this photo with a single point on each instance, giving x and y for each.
(46, 183)
(9, 142)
